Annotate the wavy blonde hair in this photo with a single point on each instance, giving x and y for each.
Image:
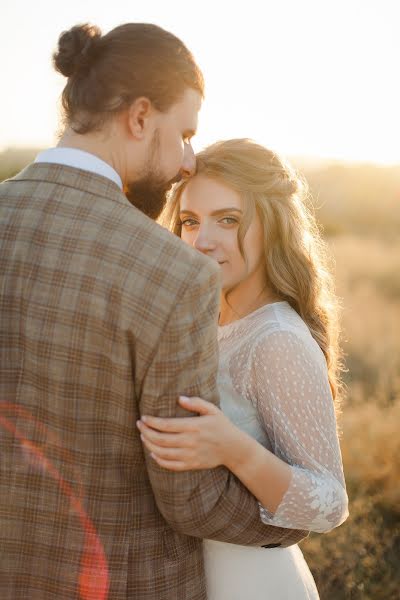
(296, 257)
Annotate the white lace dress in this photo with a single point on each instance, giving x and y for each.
(274, 385)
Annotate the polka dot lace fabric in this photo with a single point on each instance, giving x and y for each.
(274, 363)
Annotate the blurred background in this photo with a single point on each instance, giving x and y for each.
(317, 81)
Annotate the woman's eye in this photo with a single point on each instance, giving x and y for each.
(188, 222)
(228, 220)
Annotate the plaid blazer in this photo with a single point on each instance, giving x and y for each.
(104, 316)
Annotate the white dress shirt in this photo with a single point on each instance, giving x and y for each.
(72, 157)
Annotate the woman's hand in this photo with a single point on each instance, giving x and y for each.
(182, 444)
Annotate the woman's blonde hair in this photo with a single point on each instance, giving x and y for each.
(296, 259)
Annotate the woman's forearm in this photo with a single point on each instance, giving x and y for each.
(264, 474)
(211, 440)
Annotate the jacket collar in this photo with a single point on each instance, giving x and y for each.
(72, 177)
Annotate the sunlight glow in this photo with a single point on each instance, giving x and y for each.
(307, 77)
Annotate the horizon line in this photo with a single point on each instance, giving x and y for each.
(308, 159)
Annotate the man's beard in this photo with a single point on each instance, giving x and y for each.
(149, 193)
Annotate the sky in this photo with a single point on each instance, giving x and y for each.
(311, 78)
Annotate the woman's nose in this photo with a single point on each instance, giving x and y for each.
(204, 241)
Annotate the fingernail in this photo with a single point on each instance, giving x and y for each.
(144, 419)
(138, 424)
(184, 399)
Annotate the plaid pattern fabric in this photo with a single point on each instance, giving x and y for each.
(104, 316)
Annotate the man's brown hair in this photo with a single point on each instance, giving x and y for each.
(106, 73)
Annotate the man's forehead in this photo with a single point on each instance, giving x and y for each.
(191, 103)
(193, 98)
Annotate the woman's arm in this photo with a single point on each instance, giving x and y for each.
(264, 474)
(212, 440)
(289, 386)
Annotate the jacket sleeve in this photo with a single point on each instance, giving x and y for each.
(210, 503)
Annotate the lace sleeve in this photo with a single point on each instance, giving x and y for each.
(289, 384)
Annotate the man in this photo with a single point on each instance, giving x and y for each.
(107, 316)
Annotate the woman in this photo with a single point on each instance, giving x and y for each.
(279, 364)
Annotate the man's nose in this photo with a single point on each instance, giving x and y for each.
(189, 162)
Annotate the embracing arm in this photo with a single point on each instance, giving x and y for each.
(291, 390)
(207, 503)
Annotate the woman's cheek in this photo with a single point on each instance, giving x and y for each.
(186, 237)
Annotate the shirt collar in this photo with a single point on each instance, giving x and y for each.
(72, 157)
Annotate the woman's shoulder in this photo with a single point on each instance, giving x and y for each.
(283, 332)
(280, 318)
(270, 327)
(277, 319)
(270, 318)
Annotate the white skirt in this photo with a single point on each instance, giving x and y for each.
(251, 573)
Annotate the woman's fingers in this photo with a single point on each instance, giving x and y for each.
(168, 440)
(173, 425)
(180, 425)
(171, 465)
(164, 453)
(195, 404)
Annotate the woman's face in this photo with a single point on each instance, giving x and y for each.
(210, 214)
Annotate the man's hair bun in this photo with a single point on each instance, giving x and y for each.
(75, 49)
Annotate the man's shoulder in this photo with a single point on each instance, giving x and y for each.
(162, 273)
(159, 241)
(137, 243)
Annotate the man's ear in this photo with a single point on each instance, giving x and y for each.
(140, 118)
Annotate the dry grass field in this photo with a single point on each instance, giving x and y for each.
(359, 207)
(360, 212)
(360, 559)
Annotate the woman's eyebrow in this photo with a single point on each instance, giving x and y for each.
(215, 212)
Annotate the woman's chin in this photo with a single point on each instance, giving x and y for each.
(226, 285)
